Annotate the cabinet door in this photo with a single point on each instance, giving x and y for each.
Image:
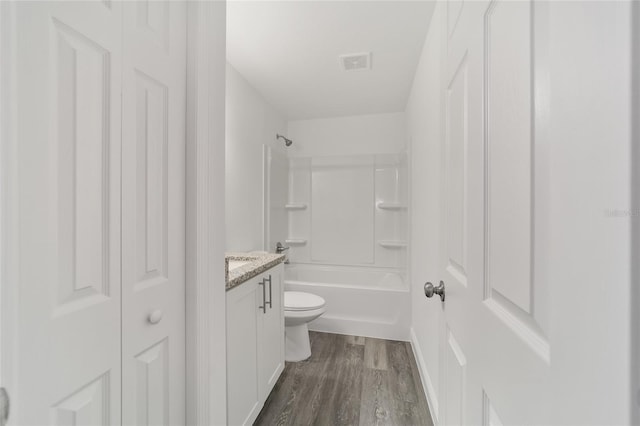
(243, 400)
(271, 333)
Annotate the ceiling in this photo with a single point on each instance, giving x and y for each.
(289, 51)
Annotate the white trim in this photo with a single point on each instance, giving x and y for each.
(8, 198)
(427, 383)
(206, 314)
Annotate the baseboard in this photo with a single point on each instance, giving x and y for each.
(427, 384)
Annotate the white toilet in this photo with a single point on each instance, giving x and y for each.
(299, 309)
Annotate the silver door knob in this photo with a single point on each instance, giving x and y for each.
(430, 290)
(155, 316)
(5, 404)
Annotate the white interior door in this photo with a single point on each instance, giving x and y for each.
(495, 350)
(512, 351)
(496, 355)
(153, 213)
(462, 244)
(67, 353)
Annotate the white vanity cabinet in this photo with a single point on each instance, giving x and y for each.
(255, 344)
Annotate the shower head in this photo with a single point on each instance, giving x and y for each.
(287, 142)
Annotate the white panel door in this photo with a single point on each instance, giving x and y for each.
(495, 347)
(516, 351)
(153, 213)
(68, 162)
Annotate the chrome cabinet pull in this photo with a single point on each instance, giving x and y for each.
(264, 297)
(430, 290)
(270, 294)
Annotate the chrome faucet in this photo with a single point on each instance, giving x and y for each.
(280, 248)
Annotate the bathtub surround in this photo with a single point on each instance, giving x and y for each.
(348, 235)
(347, 222)
(348, 210)
(251, 123)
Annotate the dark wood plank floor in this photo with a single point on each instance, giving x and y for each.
(349, 380)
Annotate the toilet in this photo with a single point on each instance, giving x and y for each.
(299, 309)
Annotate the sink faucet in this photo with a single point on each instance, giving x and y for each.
(280, 248)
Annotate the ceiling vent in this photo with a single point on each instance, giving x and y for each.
(356, 61)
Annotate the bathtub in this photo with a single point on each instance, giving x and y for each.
(371, 302)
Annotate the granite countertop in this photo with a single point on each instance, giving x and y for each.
(240, 267)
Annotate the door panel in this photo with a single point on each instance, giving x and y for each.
(88, 406)
(152, 384)
(68, 163)
(508, 153)
(456, 179)
(153, 216)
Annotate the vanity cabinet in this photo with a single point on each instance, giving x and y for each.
(255, 344)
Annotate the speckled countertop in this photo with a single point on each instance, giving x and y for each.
(258, 262)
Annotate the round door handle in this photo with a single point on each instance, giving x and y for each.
(430, 290)
(155, 316)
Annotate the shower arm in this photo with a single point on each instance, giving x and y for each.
(287, 141)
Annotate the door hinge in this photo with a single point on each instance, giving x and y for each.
(5, 405)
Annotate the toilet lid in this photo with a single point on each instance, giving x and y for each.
(299, 301)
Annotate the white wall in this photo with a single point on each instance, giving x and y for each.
(250, 123)
(353, 135)
(424, 117)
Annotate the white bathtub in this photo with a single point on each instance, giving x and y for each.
(370, 302)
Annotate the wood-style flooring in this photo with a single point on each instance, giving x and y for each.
(349, 380)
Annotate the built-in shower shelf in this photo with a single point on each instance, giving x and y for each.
(392, 206)
(296, 242)
(295, 206)
(392, 243)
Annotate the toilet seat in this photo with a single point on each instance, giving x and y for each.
(300, 301)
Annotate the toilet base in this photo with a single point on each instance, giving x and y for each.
(297, 346)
